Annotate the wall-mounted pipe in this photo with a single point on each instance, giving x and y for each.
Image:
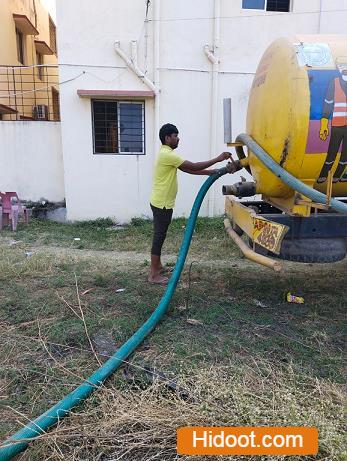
(132, 63)
(156, 73)
(134, 53)
(19, 441)
(213, 57)
(134, 66)
(286, 177)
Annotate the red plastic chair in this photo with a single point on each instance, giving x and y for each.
(11, 208)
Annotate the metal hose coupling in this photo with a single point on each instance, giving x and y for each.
(231, 167)
(221, 171)
(240, 189)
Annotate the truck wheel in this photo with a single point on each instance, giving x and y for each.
(313, 250)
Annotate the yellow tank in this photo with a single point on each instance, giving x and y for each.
(298, 113)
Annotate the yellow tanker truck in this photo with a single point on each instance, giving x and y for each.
(296, 144)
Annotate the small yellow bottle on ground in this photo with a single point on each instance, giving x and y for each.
(294, 299)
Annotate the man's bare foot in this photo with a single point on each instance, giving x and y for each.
(157, 280)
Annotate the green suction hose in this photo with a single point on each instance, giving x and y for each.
(19, 441)
(286, 177)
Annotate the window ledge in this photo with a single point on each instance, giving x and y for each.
(115, 94)
(7, 109)
(42, 47)
(25, 25)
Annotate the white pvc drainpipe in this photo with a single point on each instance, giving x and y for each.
(154, 86)
(132, 64)
(156, 73)
(213, 57)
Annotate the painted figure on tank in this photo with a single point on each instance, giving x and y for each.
(335, 108)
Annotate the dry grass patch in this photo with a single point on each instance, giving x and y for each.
(241, 353)
(139, 423)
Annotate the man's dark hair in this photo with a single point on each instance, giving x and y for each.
(167, 130)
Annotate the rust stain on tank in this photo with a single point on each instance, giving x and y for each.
(285, 152)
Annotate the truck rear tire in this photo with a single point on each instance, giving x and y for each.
(316, 250)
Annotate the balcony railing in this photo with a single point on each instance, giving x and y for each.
(29, 93)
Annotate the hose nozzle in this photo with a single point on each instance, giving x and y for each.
(240, 189)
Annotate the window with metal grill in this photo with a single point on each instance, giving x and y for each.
(118, 127)
(56, 104)
(39, 62)
(20, 46)
(268, 5)
(278, 5)
(52, 36)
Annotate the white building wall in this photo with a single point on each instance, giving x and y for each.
(119, 186)
(31, 160)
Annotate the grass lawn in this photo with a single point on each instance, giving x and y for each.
(230, 351)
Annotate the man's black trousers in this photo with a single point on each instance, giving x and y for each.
(161, 221)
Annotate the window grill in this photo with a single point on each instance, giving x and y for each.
(29, 93)
(56, 104)
(20, 46)
(278, 5)
(118, 127)
(52, 36)
(39, 62)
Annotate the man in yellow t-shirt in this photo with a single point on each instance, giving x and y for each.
(164, 192)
